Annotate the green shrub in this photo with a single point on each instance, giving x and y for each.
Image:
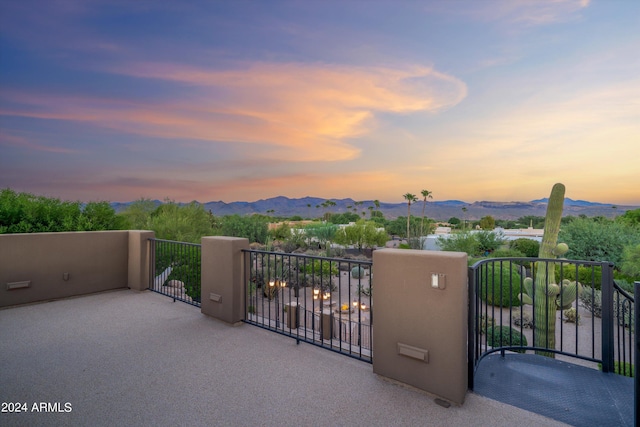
(185, 266)
(489, 241)
(587, 275)
(590, 239)
(504, 336)
(486, 322)
(320, 267)
(530, 248)
(631, 261)
(500, 284)
(506, 253)
(463, 241)
(27, 213)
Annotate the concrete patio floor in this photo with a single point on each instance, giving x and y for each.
(137, 358)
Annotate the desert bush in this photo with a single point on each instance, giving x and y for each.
(631, 261)
(27, 213)
(522, 319)
(489, 241)
(182, 223)
(252, 227)
(364, 290)
(571, 315)
(598, 240)
(504, 336)
(282, 232)
(485, 323)
(530, 248)
(500, 284)
(320, 267)
(463, 241)
(506, 253)
(591, 299)
(587, 275)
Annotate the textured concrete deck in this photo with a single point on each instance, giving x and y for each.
(129, 358)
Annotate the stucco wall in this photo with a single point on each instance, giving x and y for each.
(420, 333)
(59, 265)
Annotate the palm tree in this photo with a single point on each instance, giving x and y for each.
(327, 204)
(409, 198)
(427, 195)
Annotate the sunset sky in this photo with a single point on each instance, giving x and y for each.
(245, 100)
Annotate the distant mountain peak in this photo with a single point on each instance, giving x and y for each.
(571, 202)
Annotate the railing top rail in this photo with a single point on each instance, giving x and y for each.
(153, 239)
(623, 292)
(535, 259)
(354, 261)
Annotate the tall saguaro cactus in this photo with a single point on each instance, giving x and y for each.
(546, 296)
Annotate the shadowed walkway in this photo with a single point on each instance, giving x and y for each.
(563, 391)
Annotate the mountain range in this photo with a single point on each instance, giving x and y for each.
(311, 207)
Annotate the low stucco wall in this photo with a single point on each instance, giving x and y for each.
(420, 333)
(59, 265)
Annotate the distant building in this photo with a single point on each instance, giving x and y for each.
(430, 242)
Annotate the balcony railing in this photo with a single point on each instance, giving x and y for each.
(323, 301)
(175, 270)
(596, 326)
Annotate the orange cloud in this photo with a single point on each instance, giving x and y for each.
(301, 112)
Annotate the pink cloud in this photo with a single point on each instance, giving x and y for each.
(22, 142)
(528, 13)
(298, 112)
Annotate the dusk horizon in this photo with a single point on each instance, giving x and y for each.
(243, 101)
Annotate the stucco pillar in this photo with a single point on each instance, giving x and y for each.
(222, 289)
(420, 313)
(139, 258)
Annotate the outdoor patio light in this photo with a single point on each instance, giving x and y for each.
(272, 283)
(324, 296)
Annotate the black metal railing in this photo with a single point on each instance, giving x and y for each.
(175, 270)
(595, 327)
(636, 353)
(320, 300)
(624, 331)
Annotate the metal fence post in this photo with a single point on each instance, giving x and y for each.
(471, 339)
(607, 318)
(636, 356)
